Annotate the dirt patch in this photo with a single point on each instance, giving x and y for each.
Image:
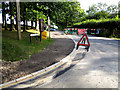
(61, 47)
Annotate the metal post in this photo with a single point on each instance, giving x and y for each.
(49, 26)
(40, 30)
(49, 22)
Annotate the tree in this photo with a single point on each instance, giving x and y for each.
(18, 20)
(64, 13)
(24, 15)
(102, 10)
(12, 16)
(112, 10)
(4, 12)
(101, 6)
(92, 11)
(119, 9)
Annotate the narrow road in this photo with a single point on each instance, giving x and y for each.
(98, 68)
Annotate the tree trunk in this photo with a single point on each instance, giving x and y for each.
(12, 16)
(24, 28)
(36, 24)
(31, 24)
(16, 26)
(18, 20)
(36, 16)
(5, 23)
(26, 24)
(3, 13)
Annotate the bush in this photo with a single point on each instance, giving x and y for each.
(116, 33)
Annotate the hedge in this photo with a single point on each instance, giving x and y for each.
(106, 23)
(109, 27)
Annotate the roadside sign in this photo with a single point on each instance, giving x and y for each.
(81, 31)
(84, 42)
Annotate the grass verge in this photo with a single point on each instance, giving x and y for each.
(15, 50)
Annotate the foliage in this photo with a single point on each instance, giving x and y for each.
(64, 13)
(104, 17)
(109, 27)
(102, 11)
(96, 23)
(61, 13)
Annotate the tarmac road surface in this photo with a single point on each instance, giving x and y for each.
(97, 69)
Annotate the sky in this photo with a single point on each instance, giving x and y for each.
(86, 3)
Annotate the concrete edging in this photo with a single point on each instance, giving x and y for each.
(40, 72)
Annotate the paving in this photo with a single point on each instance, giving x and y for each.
(97, 68)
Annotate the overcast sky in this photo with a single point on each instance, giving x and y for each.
(86, 3)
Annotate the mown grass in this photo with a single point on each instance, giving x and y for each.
(15, 50)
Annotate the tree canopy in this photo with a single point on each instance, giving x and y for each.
(102, 11)
(62, 14)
